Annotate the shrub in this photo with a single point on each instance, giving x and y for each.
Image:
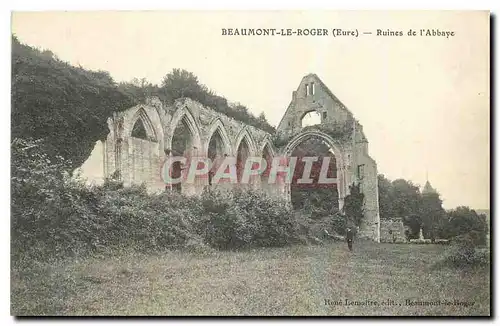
(421, 241)
(465, 257)
(464, 254)
(132, 217)
(354, 204)
(339, 223)
(247, 218)
(333, 225)
(39, 200)
(56, 216)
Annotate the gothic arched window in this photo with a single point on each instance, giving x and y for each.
(139, 131)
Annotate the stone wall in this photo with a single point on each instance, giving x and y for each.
(93, 169)
(140, 161)
(330, 109)
(344, 135)
(366, 175)
(392, 230)
(144, 158)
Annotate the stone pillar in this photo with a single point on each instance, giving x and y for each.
(341, 186)
(168, 155)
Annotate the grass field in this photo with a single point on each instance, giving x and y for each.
(296, 280)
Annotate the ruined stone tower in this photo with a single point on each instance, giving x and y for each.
(337, 127)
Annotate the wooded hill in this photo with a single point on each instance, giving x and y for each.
(67, 106)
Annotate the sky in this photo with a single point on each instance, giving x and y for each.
(423, 101)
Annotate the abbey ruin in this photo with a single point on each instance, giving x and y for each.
(142, 138)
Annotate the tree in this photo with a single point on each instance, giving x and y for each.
(65, 106)
(139, 89)
(354, 204)
(414, 224)
(405, 198)
(181, 83)
(402, 199)
(399, 198)
(463, 221)
(317, 198)
(68, 107)
(385, 197)
(432, 215)
(262, 117)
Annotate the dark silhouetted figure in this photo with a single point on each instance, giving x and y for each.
(349, 236)
(407, 235)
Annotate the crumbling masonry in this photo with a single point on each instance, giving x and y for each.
(138, 160)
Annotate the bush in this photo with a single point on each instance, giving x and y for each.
(130, 217)
(464, 254)
(465, 224)
(442, 241)
(465, 257)
(247, 218)
(83, 220)
(39, 200)
(56, 216)
(333, 224)
(421, 241)
(471, 239)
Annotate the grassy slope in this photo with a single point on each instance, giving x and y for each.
(284, 281)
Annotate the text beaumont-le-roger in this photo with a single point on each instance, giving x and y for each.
(335, 32)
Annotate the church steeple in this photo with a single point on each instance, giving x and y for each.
(427, 187)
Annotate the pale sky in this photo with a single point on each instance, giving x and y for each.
(423, 101)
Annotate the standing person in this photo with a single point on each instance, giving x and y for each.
(349, 237)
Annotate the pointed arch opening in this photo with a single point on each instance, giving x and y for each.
(267, 157)
(217, 151)
(182, 145)
(143, 127)
(139, 131)
(143, 150)
(243, 152)
(307, 191)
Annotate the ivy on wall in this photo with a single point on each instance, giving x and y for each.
(340, 131)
